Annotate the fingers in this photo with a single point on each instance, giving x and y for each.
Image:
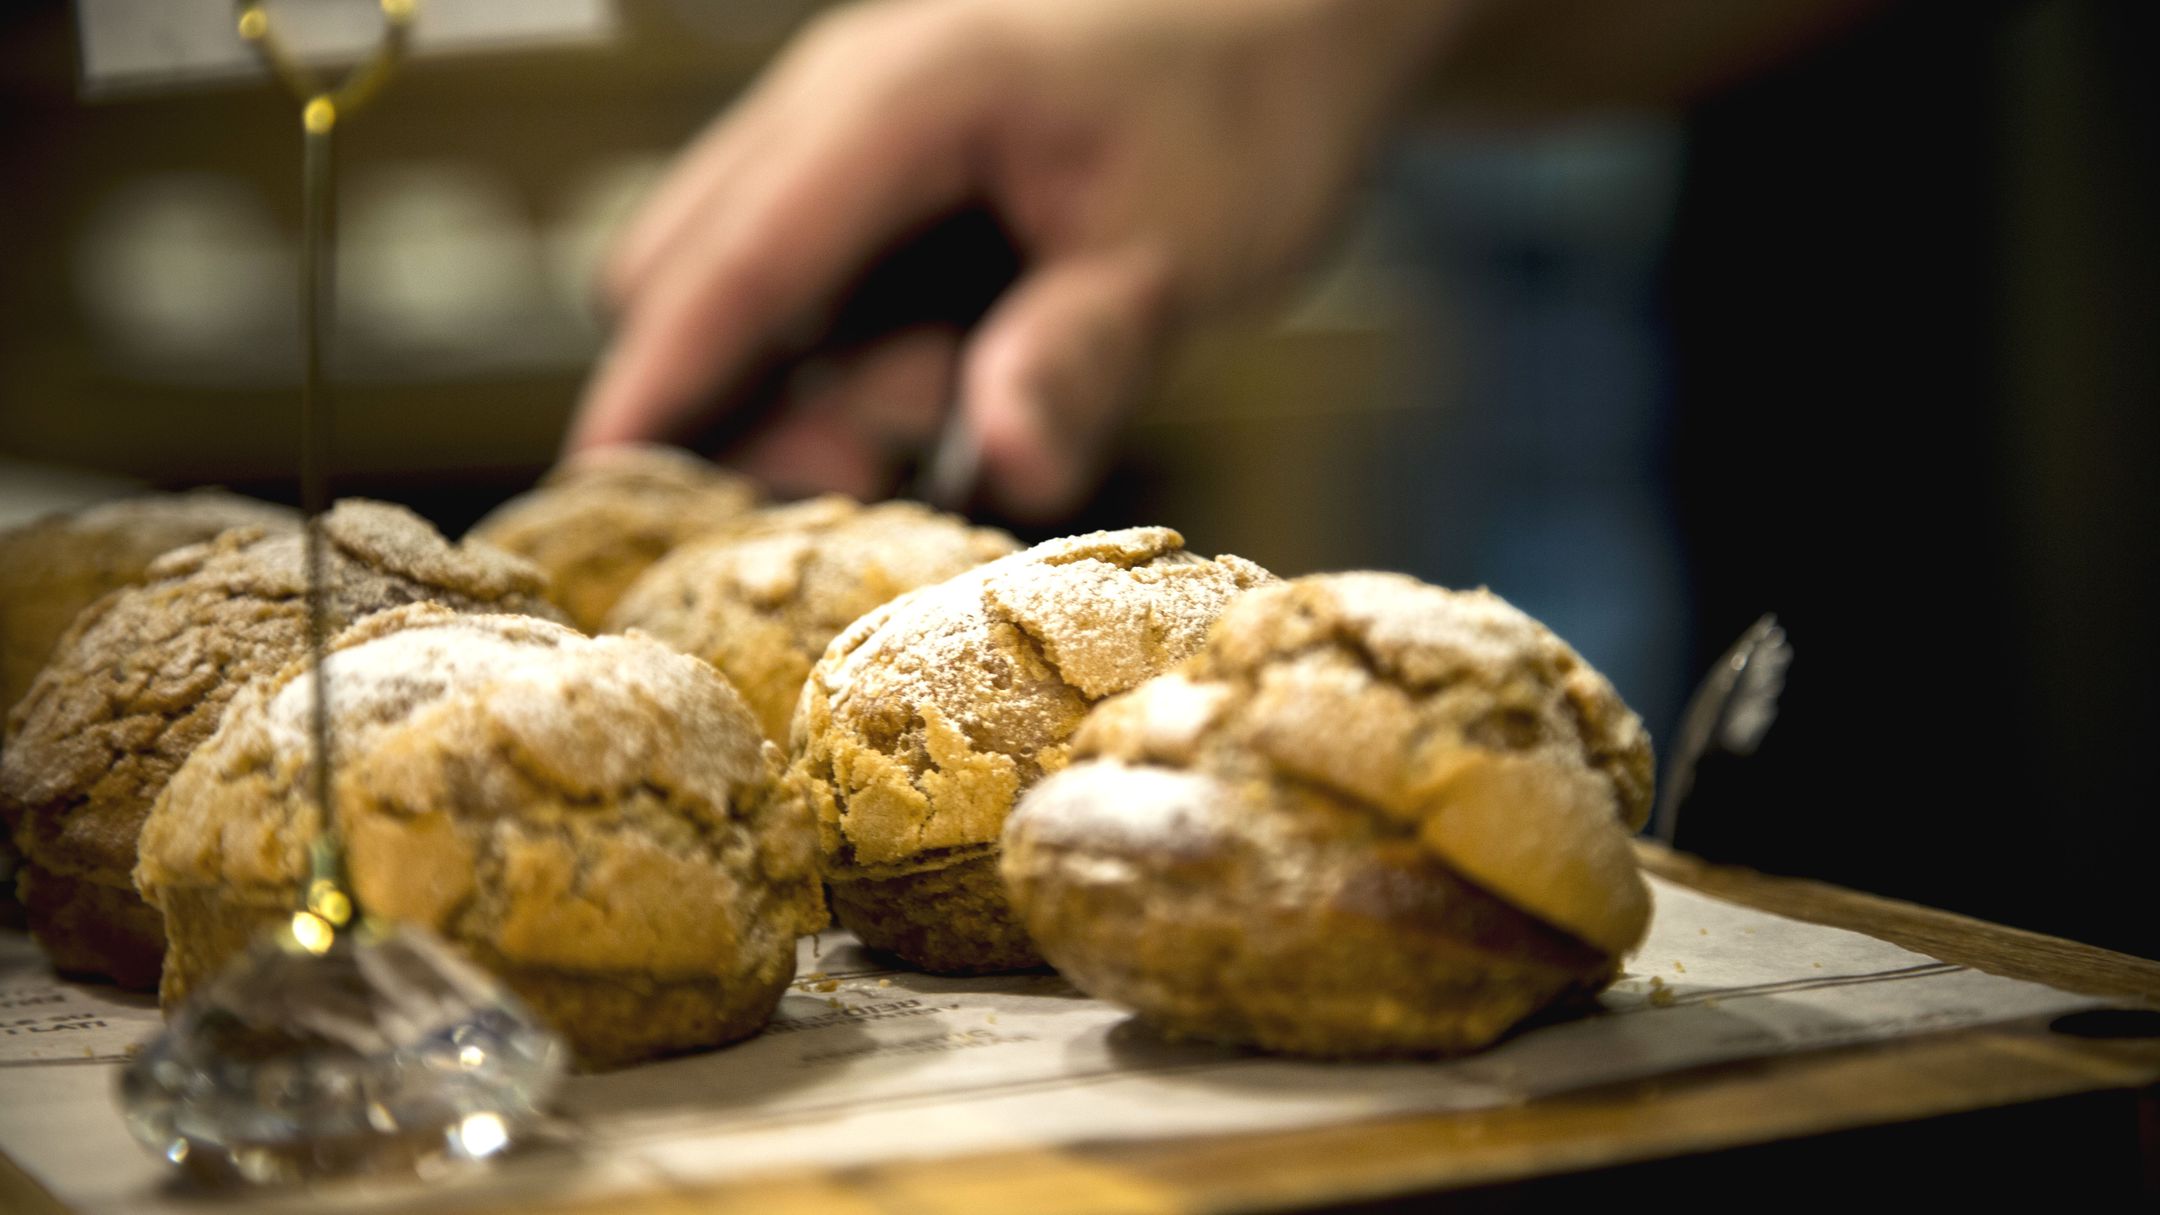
(691, 189)
(1053, 368)
(850, 427)
(762, 258)
(748, 277)
(898, 390)
(814, 452)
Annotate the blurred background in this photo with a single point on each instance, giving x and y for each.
(1867, 341)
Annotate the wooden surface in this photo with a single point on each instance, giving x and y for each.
(2010, 952)
(1757, 1102)
(1736, 1105)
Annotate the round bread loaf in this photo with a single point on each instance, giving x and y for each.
(54, 567)
(763, 602)
(143, 676)
(592, 819)
(927, 718)
(1371, 816)
(598, 519)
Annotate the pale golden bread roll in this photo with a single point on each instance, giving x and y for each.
(927, 718)
(764, 600)
(601, 517)
(591, 818)
(52, 568)
(1371, 816)
(144, 675)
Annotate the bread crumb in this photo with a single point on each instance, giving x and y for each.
(1702, 932)
(1679, 966)
(815, 976)
(884, 982)
(991, 1018)
(1818, 966)
(835, 1004)
(1662, 997)
(829, 985)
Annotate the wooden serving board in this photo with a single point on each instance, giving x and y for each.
(1761, 1101)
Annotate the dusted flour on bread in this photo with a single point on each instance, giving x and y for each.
(1452, 714)
(927, 718)
(600, 518)
(52, 568)
(143, 677)
(591, 818)
(762, 602)
(1370, 815)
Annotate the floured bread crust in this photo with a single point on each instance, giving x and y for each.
(143, 676)
(592, 819)
(1371, 816)
(764, 602)
(927, 718)
(600, 518)
(54, 567)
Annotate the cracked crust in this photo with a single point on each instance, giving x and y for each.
(144, 675)
(1371, 816)
(926, 718)
(599, 519)
(764, 602)
(592, 818)
(54, 567)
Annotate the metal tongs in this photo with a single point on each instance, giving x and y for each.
(1731, 710)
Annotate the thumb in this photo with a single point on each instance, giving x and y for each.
(1052, 369)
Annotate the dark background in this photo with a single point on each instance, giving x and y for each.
(1914, 286)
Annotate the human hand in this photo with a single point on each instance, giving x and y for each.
(1153, 163)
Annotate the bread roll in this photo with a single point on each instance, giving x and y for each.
(598, 519)
(927, 718)
(591, 819)
(1371, 816)
(762, 602)
(54, 567)
(144, 675)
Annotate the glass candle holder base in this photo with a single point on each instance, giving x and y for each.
(369, 1051)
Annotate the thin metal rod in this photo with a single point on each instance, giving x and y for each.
(318, 196)
(322, 109)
